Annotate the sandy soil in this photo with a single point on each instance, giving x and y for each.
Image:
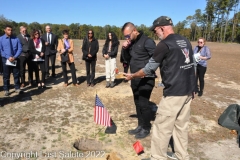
(49, 121)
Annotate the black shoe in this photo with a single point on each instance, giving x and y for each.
(108, 84)
(135, 131)
(6, 93)
(142, 134)
(54, 76)
(43, 86)
(112, 84)
(200, 93)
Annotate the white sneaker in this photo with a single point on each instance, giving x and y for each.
(171, 155)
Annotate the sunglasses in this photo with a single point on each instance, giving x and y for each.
(128, 35)
(200, 42)
(36, 34)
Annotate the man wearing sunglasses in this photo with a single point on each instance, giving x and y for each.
(139, 48)
(174, 55)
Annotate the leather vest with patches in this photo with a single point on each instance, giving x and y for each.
(177, 68)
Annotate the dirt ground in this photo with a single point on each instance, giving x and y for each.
(48, 121)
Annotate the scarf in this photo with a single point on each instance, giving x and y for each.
(66, 43)
(37, 42)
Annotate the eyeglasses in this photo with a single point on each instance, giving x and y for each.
(200, 42)
(89, 33)
(128, 35)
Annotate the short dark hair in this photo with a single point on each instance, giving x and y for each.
(8, 26)
(65, 31)
(126, 24)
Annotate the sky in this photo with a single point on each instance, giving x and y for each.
(98, 12)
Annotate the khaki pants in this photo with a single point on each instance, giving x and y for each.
(110, 65)
(172, 119)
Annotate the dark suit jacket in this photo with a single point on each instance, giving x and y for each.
(33, 50)
(25, 44)
(52, 47)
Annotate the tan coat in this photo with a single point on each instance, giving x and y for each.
(70, 50)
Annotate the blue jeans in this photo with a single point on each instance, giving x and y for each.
(6, 75)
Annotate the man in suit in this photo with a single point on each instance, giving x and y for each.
(25, 57)
(51, 42)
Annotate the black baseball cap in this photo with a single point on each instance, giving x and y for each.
(161, 21)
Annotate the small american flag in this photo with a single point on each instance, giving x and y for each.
(101, 115)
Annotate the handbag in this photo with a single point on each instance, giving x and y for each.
(64, 57)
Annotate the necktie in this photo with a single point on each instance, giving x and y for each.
(24, 36)
(11, 46)
(48, 39)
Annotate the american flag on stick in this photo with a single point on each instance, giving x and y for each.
(101, 115)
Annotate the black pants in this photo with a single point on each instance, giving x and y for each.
(142, 89)
(125, 67)
(52, 57)
(36, 66)
(23, 61)
(90, 65)
(200, 76)
(73, 72)
(6, 75)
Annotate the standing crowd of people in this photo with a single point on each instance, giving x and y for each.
(35, 50)
(181, 67)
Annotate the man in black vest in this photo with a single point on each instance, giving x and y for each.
(139, 49)
(174, 55)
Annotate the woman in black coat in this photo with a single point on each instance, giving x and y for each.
(37, 48)
(90, 48)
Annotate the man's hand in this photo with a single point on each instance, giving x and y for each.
(46, 43)
(128, 76)
(11, 59)
(89, 55)
(126, 44)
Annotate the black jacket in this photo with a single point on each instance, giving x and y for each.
(140, 51)
(33, 50)
(113, 53)
(52, 47)
(93, 50)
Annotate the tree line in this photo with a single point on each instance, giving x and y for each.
(213, 23)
